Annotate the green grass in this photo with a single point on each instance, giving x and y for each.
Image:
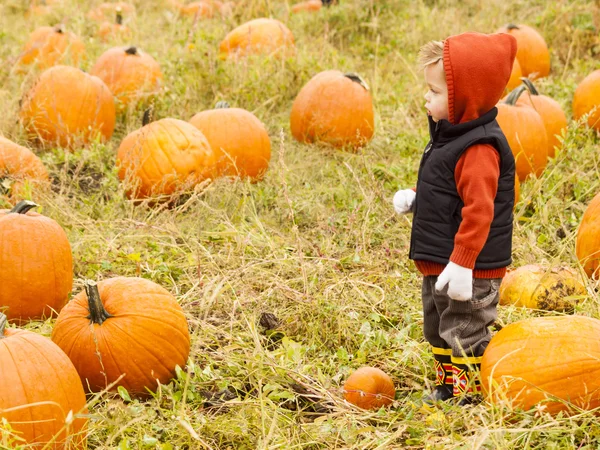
(317, 242)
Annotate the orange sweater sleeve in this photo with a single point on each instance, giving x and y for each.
(476, 175)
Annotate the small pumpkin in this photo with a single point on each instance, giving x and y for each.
(369, 388)
(258, 36)
(587, 246)
(587, 99)
(163, 157)
(39, 390)
(515, 76)
(68, 107)
(124, 326)
(20, 168)
(532, 51)
(307, 6)
(333, 108)
(37, 265)
(539, 361)
(204, 9)
(107, 11)
(133, 76)
(50, 46)
(114, 30)
(240, 141)
(526, 134)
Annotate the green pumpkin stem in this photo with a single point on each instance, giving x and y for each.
(23, 206)
(60, 28)
(119, 18)
(530, 87)
(222, 105)
(357, 79)
(148, 116)
(512, 26)
(515, 94)
(131, 50)
(97, 312)
(3, 321)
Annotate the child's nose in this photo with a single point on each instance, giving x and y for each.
(426, 96)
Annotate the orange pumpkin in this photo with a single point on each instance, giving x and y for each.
(532, 50)
(259, 36)
(587, 245)
(515, 76)
(68, 107)
(538, 361)
(198, 9)
(369, 388)
(333, 108)
(38, 8)
(308, 6)
(20, 169)
(109, 30)
(163, 157)
(131, 74)
(124, 326)
(49, 46)
(37, 266)
(517, 190)
(107, 11)
(240, 141)
(526, 134)
(587, 99)
(39, 390)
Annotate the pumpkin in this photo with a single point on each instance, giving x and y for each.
(308, 6)
(587, 246)
(534, 286)
(258, 36)
(68, 107)
(124, 326)
(50, 46)
(199, 9)
(131, 74)
(240, 141)
(107, 11)
(587, 99)
(109, 30)
(517, 190)
(369, 388)
(526, 134)
(20, 169)
(333, 108)
(532, 50)
(515, 76)
(39, 390)
(42, 7)
(163, 157)
(37, 265)
(542, 360)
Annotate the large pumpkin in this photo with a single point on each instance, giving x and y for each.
(333, 108)
(526, 134)
(107, 11)
(544, 359)
(258, 36)
(163, 157)
(50, 46)
(587, 98)
(20, 169)
(131, 74)
(39, 390)
(515, 76)
(369, 388)
(68, 107)
(532, 50)
(588, 239)
(534, 286)
(37, 265)
(122, 326)
(240, 141)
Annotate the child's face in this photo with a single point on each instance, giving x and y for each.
(437, 95)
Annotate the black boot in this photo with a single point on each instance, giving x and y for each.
(443, 377)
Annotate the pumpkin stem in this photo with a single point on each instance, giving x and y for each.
(148, 116)
(60, 28)
(23, 206)
(119, 18)
(131, 50)
(512, 26)
(515, 94)
(97, 312)
(357, 79)
(222, 105)
(530, 87)
(3, 321)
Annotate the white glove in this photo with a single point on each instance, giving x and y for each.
(403, 200)
(459, 280)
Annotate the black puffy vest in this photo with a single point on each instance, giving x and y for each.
(438, 208)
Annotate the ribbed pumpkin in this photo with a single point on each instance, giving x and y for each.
(526, 134)
(68, 107)
(308, 6)
(37, 265)
(39, 389)
(536, 361)
(333, 108)
(51, 46)
(107, 11)
(131, 74)
(532, 51)
(163, 157)
(588, 239)
(515, 76)
(586, 98)
(114, 30)
(124, 326)
(259, 36)
(537, 287)
(20, 169)
(239, 140)
(369, 388)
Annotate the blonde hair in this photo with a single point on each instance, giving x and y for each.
(431, 53)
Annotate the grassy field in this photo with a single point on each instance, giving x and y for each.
(317, 243)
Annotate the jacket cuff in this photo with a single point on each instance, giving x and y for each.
(464, 257)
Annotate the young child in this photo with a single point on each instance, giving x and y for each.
(461, 237)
